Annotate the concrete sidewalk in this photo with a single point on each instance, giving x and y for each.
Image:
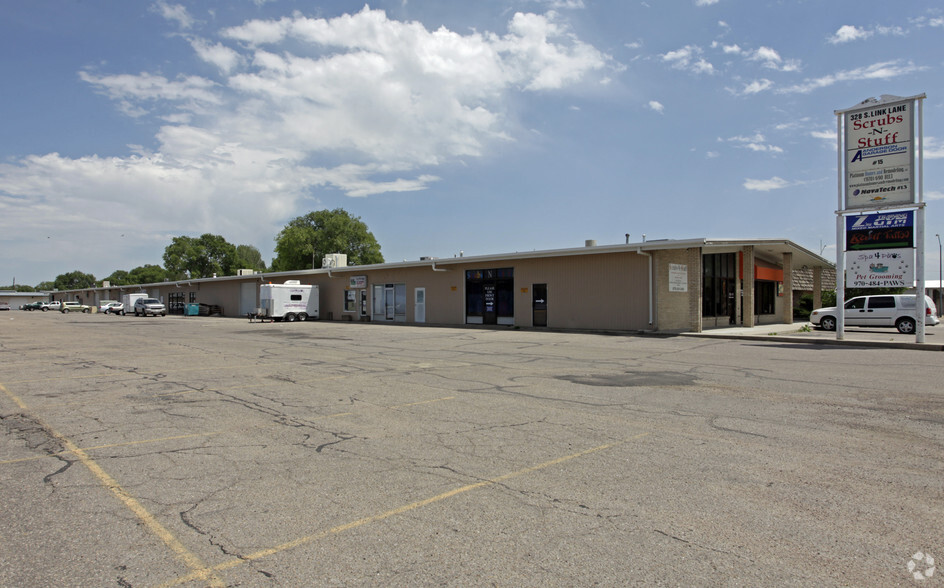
(853, 336)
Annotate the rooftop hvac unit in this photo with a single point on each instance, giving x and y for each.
(334, 260)
(245, 272)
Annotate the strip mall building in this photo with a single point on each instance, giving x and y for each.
(666, 286)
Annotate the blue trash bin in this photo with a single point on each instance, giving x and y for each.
(192, 309)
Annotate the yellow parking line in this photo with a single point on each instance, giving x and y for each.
(110, 445)
(199, 569)
(196, 575)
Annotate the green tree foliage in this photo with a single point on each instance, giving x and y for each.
(305, 241)
(18, 288)
(75, 280)
(199, 257)
(118, 278)
(147, 274)
(45, 286)
(248, 257)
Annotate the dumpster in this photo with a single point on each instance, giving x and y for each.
(192, 309)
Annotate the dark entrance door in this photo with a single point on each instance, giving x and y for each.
(539, 305)
(490, 317)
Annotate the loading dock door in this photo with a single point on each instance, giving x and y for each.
(539, 305)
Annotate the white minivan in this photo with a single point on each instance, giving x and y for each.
(884, 310)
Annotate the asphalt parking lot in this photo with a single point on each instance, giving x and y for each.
(195, 451)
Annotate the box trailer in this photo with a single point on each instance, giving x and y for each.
(290, 301)
(127, 301)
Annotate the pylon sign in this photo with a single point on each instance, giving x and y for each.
(880, 152)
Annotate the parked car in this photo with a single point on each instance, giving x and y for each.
(886, 310)
(146, 306)
(70, 306)
(54, 305)
(38, 305)
(4, 306)
(111, 307)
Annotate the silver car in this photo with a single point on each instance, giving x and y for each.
(146, 306)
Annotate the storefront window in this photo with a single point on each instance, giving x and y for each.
(720, 275)
(765, 293)
(489, 296)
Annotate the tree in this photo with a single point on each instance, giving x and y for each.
(248, 257)
(18, 288)
(305, 241)
(147, 274)
(199, 257)
(75, 280)
(45, 286)
(118, 278)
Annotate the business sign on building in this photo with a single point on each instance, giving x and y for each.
(678, 277)
(880, 231)
(880, 268)
(879, 151)
(358, 282)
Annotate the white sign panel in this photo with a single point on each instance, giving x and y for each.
(880, 268)
(880, 155)
(358, 282)
(678, 277)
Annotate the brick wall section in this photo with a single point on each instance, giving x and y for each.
(695, 288)
(787, 317)
(675, 308)
(749, 316)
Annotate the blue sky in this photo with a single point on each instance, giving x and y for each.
(486, 127)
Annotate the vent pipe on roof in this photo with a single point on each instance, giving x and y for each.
(590, 243)
(627, 238)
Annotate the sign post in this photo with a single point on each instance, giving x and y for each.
(880, 150)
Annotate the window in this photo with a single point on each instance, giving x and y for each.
(856, 304)
(882, 302)
(489, 296)
(175, 302)
(764, 295)
(389, 302)
(719, 279)
(350, 300)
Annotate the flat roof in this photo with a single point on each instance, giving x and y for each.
(768, 249)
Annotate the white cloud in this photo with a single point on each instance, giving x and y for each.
(934, 195)
(757, 86)
(933, 148)
(359, 104)
(884, 70)
(770, 59)
(756, 142)
(218, 54)
(174, 12)
(774, 183)
(688, 58)
(849, 33)
(705, 2)
(656, 106)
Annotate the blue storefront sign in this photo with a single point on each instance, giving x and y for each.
(880, 231)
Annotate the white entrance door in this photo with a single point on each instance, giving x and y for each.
(419, 310)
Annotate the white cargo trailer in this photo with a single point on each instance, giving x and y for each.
(127, 300)
(290, 301)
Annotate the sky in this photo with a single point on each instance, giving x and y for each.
(484, 127)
